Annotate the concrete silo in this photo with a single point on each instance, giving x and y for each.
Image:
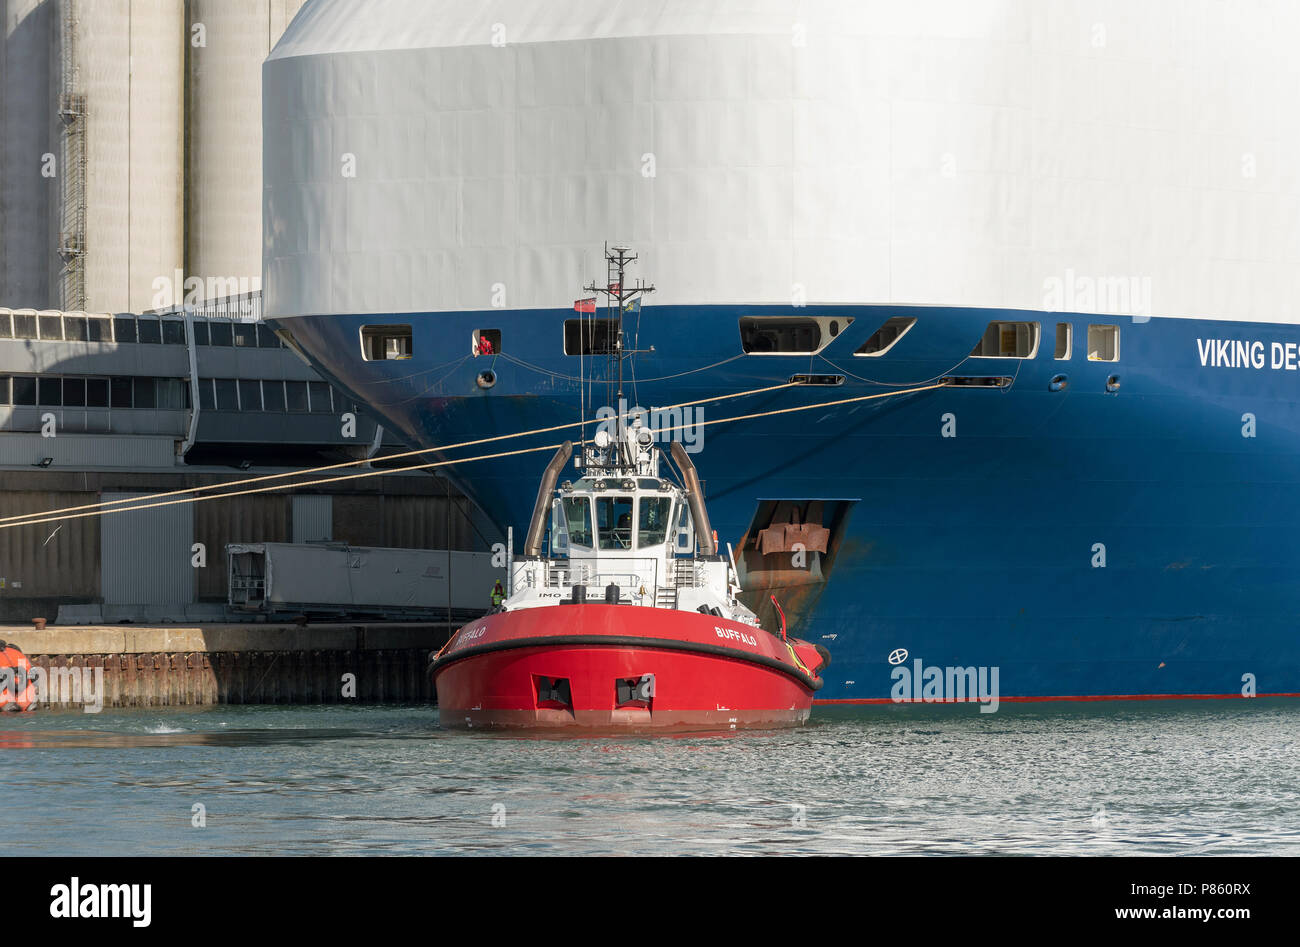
(27, 44)
(227, 41)
(91, 151)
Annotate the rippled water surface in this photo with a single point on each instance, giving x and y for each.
(1156, 778)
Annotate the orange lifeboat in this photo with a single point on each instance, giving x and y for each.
(17, 689)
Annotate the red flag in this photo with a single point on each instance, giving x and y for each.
(614, 287)
(585, 305)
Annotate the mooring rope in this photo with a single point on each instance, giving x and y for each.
(138, 503)
(358, 463)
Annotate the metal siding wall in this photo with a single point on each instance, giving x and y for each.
(250, 519)
(65, 565)
(78, 451)
(422, 522)
(145, 555)
(313, 518)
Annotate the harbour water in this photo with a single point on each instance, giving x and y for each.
(1192, 777)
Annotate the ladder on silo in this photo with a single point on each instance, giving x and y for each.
(72, 173)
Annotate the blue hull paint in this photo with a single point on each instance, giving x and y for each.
(974, 550)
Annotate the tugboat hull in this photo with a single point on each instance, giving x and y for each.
(622, 667)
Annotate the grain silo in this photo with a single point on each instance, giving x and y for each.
(129, 59)
(226, 43)
(27, 64)
(91, 205)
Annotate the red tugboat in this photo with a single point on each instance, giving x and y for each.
(632, 622)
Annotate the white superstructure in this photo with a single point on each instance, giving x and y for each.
(426, 155)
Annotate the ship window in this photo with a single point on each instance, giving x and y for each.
(614, 519)
(652, 526)
(383, 343)
(577, 513)
(883, 339)
(1008, 340)
(1064, 340)
(320, 397)
(296, 395)
(96, 392)
(173, 332)
(124, 328)
(74, 328)
(51, 391)
(207, 399)
(200, 332)
(51, 328)
(485, 342)
(150, 331)
(227, 394)
(173, 394)
(1103, 343)
(250, 395)
(787, 335)
(146, 395)
(245, 335)
(590, 336)
(273, 395)
(99, 330)
(266, 338)
(120, 392)
(24, 390)
(220, 333)
(24, 325)
(74, 392)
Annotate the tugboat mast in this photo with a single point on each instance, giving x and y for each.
(620, 296)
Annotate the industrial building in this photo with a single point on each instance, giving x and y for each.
(130, 149)
(98, 407)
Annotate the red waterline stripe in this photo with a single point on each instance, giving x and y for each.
(1032, 700)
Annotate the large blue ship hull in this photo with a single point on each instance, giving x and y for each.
(978, 550)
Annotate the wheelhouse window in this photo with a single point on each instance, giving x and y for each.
(1103, 343)
(485, 342)
(652, 520)
(1008, 340)
(789, 335)
(385, 343)
(614, 521)
(1064, 341)
(590, 336)
(577, 516)
(884, 338)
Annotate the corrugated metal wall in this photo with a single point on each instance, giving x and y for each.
(249, 519)
(145, 555)
(313, 518)
(50, 558)
(424, 523)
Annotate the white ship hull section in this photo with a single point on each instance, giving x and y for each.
(1132, 158)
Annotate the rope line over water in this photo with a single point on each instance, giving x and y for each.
(187, 496)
